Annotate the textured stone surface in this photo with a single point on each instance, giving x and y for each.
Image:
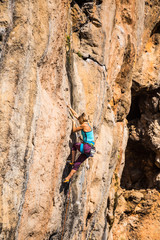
(99, 56)
(137, 215)
(134, 217)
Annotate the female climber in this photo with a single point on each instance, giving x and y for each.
(86, 143)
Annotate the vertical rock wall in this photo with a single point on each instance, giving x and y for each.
(137, 212)
(88, 54)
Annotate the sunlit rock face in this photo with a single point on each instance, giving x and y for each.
(137, 201)
(101, 57)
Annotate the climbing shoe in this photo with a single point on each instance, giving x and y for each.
(65, 181)
(70, 162)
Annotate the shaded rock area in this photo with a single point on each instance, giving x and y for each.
(101, 57)
(142, 153)
(137, 192)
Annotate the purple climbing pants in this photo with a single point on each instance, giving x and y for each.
(83, 156)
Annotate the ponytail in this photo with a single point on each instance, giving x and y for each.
(83, 117)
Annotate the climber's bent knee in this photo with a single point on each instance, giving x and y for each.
(76, 146)
(78, 162)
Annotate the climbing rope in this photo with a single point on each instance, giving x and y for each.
(68, 197)
(68, 194)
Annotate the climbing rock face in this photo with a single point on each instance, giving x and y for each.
(137, 215)
(101, 57)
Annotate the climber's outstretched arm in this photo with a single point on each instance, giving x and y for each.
(73, 112)
(74, 128)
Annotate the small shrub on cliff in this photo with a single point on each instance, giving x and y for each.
(68, 42)
(79, 54)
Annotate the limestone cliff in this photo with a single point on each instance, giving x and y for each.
(101, 57)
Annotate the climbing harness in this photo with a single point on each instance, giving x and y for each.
(88, 136)
(93, 151)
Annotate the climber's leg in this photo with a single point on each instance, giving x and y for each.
(74, 149)
(79, 161)
(73, 156)
(70, 175)
(81, 158)
(77, 164)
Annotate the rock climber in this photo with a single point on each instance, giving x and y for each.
(86, 143)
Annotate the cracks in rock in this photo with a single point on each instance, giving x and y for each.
(26, 178)
(94, 60)
(12, 9)
(83, 14)
(1, 37)
(69, 71)
(29, 157)
(24, 189)
(104, 236)
(88, 10)
(43, 57)
(82, 2)
(85, 58)
(4, 35)
(93, 220)
(54, 235)
(88, 218)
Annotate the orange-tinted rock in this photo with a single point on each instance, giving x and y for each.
(98, 56)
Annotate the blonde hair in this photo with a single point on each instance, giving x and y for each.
(83, 118)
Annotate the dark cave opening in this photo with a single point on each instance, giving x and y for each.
(134, 110)
(140, 170)
(156, 29)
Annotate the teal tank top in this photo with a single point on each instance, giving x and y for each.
(88, 137)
